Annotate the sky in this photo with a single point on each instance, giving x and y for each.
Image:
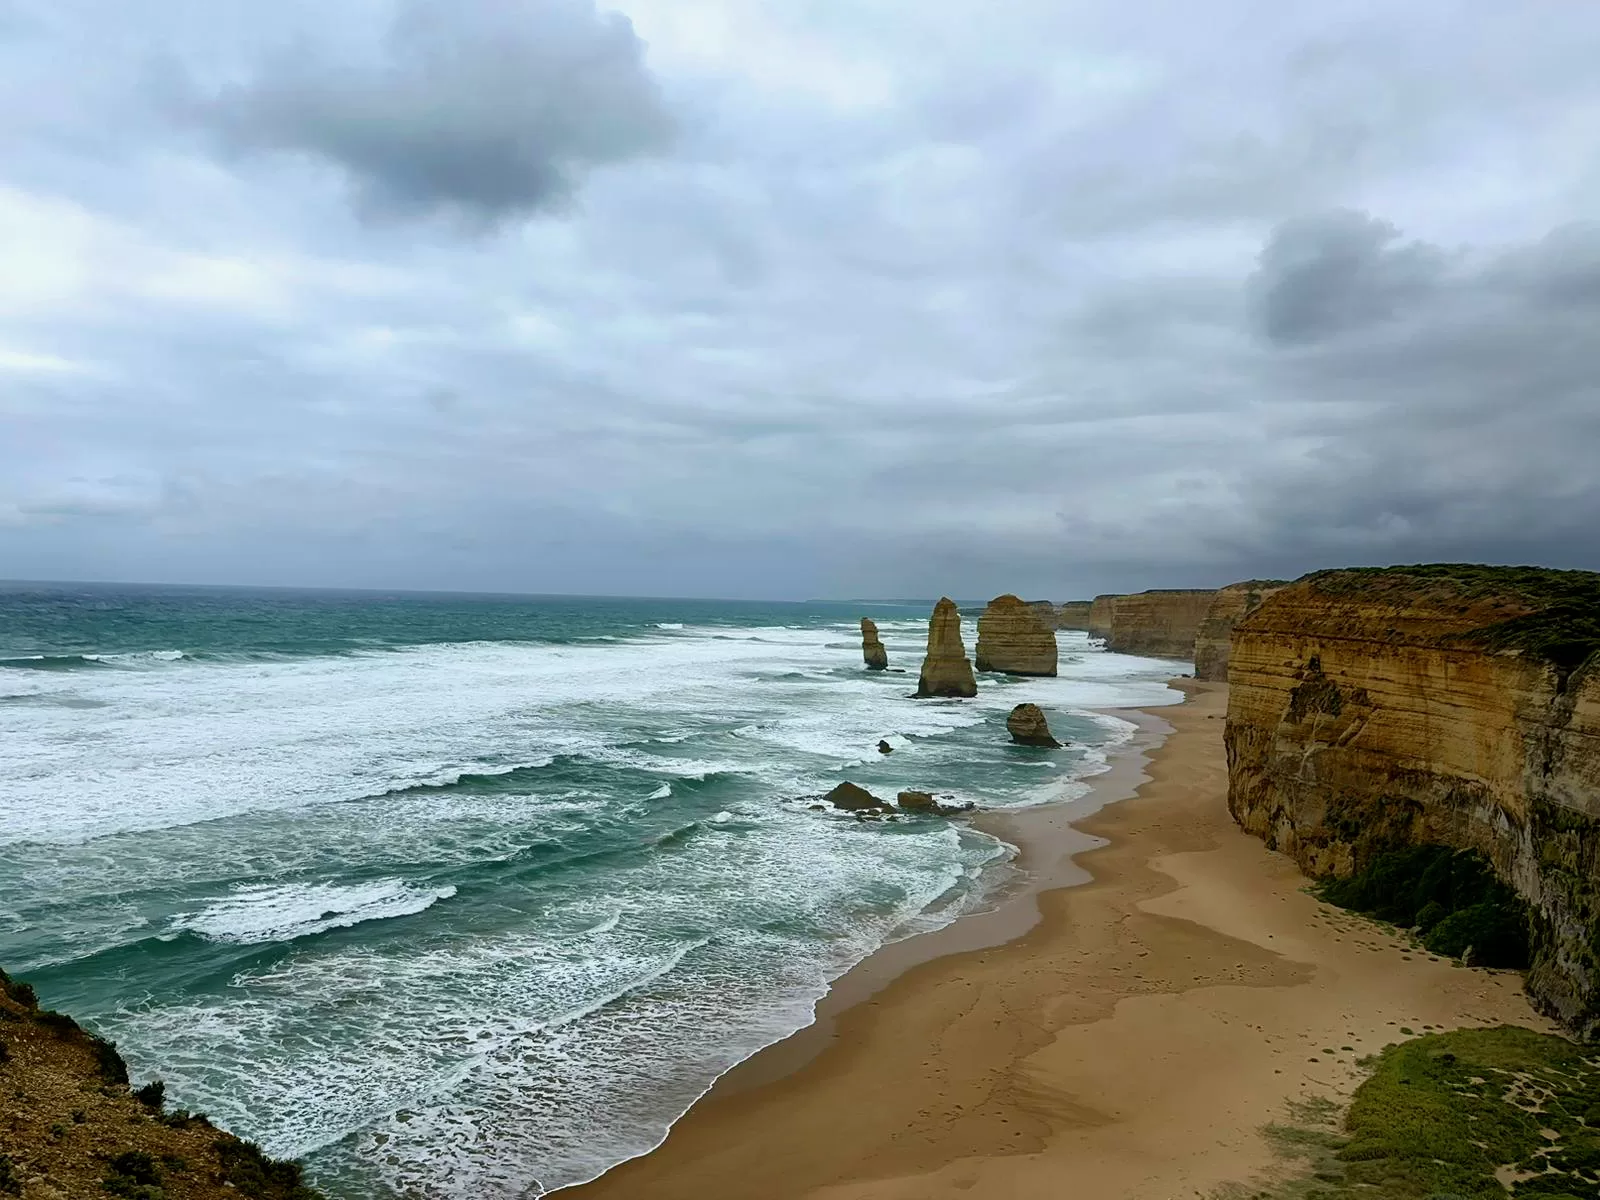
(795, 298)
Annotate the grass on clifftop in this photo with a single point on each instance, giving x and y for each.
(1563, 628)
(1471, 1114)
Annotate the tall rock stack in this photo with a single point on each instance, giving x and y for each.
(1013, 639)
(872, 651)
(1046, 612)
(1229, 606)
(946, 671)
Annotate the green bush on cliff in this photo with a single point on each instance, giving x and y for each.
(1451, 897)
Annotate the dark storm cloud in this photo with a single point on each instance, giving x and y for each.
(487, 109)
(1327, 274)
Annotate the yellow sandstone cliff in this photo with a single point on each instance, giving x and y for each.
(1099, 619)
(1456, 705)
(1073, 614)
(1158, 624)
(1228, 606)
(946, 670)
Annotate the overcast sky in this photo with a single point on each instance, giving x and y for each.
(795, 298)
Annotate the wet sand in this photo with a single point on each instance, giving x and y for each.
(1126, 1037)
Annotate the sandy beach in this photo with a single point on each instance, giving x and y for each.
(1125, 1037)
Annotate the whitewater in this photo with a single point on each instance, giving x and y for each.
(474, 896)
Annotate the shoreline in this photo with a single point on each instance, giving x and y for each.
(1046, 844)
(1151, 994)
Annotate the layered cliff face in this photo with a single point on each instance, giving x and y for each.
(1098, 621)
(946, 671)
(1228, 606)
(1371, 710)
(1073, 614)
(1159, 624)
(1045, 611)
(1013, 639)
(872, 649)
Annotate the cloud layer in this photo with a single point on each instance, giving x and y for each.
(705, 297)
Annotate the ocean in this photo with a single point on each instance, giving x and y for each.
(467, 896)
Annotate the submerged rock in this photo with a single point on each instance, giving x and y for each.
(1015, 639)
(1027, 726)
(872, 650)
(946, 671)
(855, 799)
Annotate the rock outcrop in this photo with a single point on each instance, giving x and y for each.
(1158, 624)
(1371, 710)
(946, 671)
(917, 802)
(884, 747)
(1228, 606)
(1073, 614)
(1012, 639)
(1028, 727)
(852, 798)
(1098, 622)
(872, 651)
(73, 1127)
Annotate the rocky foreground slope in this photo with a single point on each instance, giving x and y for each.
(1375, 709)
(71, 1127)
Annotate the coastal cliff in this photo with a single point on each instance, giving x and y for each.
(1374, 710)
(1098, 622)
(1157, 624)
(1228, 607)
(1073, 614)
(1013, 639)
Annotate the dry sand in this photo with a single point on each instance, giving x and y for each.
(1130, 1039)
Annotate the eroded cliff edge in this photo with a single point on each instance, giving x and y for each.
(1158, 624)
(1457, 705)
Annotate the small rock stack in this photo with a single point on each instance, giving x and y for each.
(872, 651)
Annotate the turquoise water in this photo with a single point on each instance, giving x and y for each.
(472, 896)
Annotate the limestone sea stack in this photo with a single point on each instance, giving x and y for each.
(946, 671)
(1013, 639)
(1027, 726)
(872, 651)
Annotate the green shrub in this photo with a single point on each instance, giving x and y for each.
(259, 1177)
(134, 1176)
(152, 1095)
(10, 1181)
(1452, 896)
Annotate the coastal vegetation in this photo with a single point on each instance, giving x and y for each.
(1560, 623)
(1450, 898)
(1502, 1112)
